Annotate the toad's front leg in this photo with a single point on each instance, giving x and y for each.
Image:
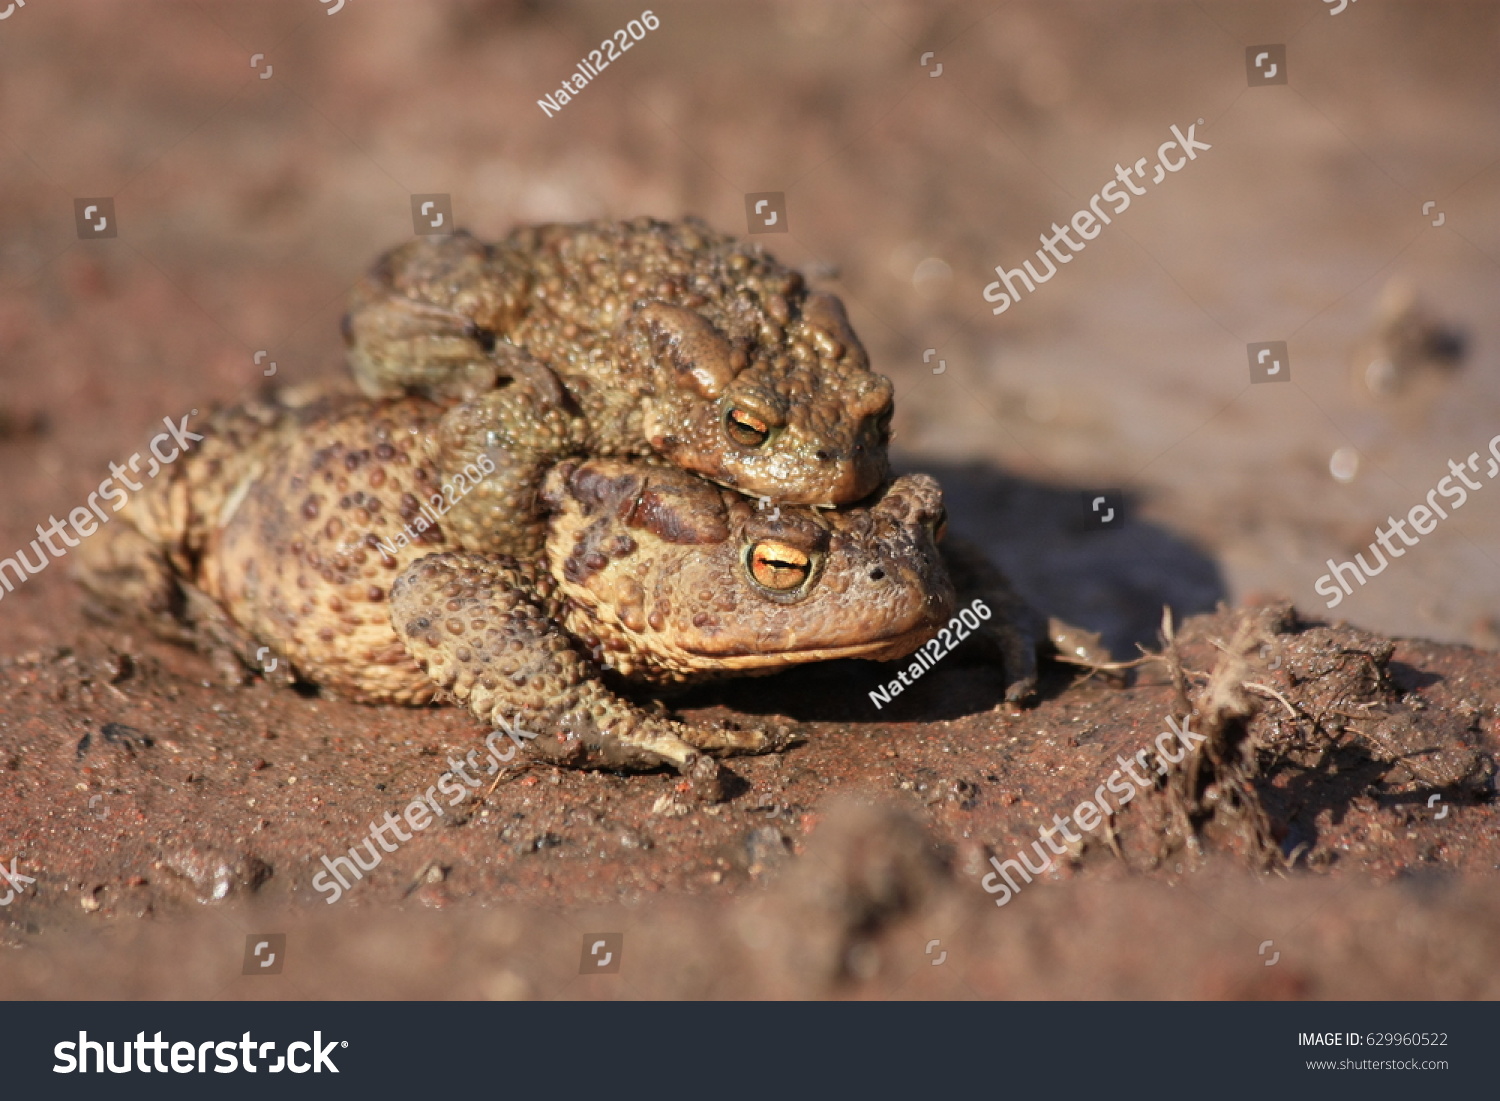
(480, 627)
(507, 440)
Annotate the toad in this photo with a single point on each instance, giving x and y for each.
(641, 338)
(313, 525)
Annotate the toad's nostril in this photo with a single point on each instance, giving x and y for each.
(877, 575)
(822, 456)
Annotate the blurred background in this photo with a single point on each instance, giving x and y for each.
(258, 156)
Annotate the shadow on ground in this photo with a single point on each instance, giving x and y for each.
(1112, 579)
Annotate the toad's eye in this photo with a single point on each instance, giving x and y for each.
(778, 567)
(746, 429)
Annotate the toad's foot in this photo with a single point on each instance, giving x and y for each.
(482, 627)
(723, 741)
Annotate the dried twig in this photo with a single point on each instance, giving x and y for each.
(1107, 666)
(1269, 691)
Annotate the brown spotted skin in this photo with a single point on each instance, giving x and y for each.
(651, 332)
(297, 559)
(269, 534)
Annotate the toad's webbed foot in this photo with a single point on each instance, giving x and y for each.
(728, 741)
(482, 627)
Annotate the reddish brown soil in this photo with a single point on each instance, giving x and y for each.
(137, 796)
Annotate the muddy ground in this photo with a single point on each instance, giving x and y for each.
(164, 819)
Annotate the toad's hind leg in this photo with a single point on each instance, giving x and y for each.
(430, 317)
(482, 627)
(126, 575)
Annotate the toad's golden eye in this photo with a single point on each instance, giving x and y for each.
(778, 567)
(746, 429)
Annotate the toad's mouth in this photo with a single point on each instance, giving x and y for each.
(884, 648)
(763, 501)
